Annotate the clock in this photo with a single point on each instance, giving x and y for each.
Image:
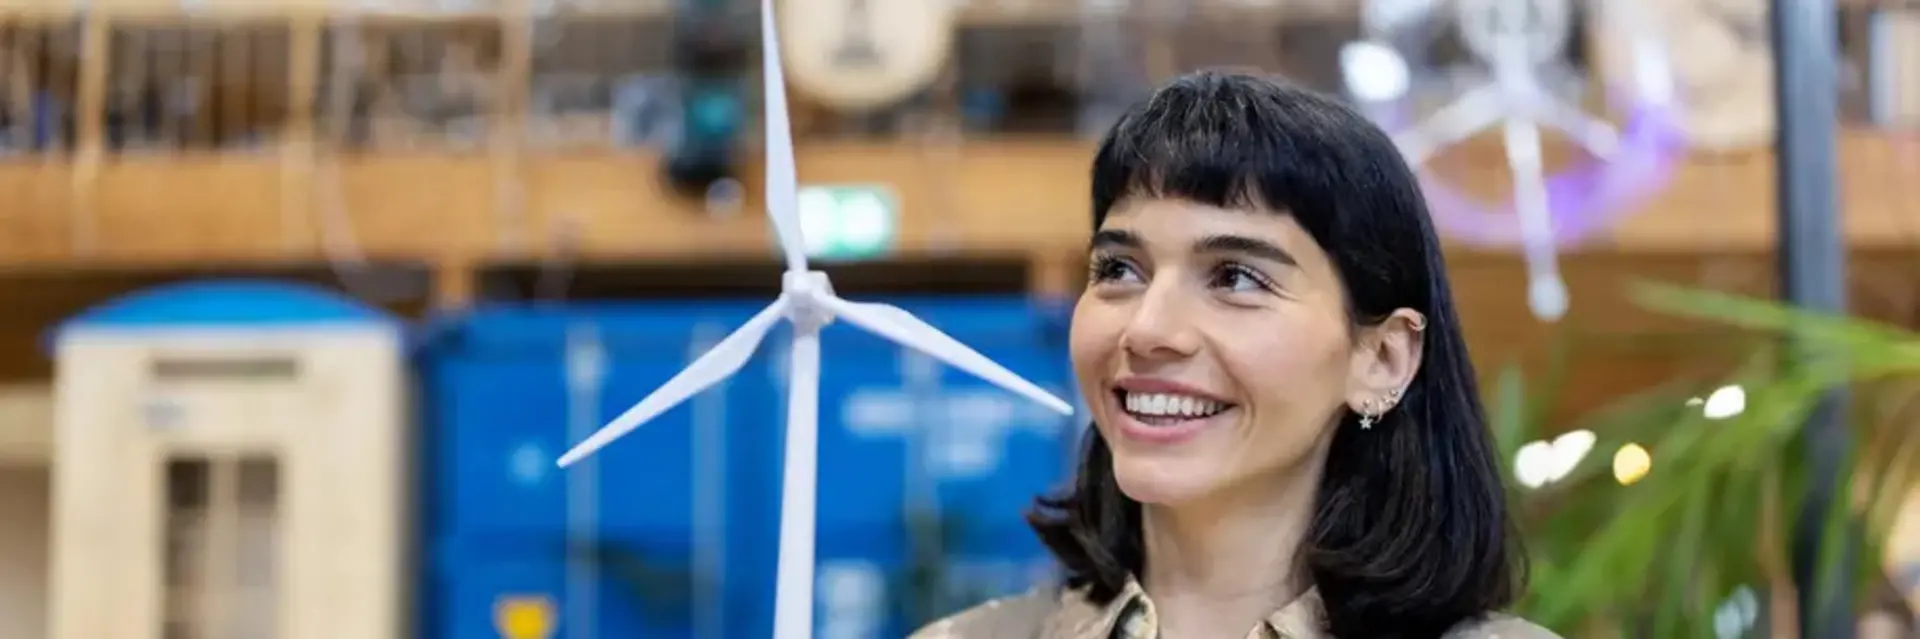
(865, 55)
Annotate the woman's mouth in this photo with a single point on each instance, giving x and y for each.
(1166, 418)
(1168, 408)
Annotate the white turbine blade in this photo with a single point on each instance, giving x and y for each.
(783, 186)
(903, 328)
(1597, 137)
(793, 582)
(724, 359)
(1452, 124)
(1546, 291)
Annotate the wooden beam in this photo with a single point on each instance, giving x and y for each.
(456, 282)
(514, 81)
(1001, 197)
(299, 143)
(977, 12)
(90, 142)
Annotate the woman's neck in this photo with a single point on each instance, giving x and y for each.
(1216, 568)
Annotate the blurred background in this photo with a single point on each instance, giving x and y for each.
(299, 300)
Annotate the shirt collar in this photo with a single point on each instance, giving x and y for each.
(1078, 618)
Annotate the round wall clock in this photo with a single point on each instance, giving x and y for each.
(860, 55)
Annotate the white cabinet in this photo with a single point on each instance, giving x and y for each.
(234, 474)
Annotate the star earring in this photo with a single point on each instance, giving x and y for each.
(1375, 408)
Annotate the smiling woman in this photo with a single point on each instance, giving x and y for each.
(1287, 441)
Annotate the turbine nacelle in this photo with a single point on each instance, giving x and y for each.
(807, 294)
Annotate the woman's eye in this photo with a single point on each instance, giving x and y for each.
(1107, 268)
(1240, 279)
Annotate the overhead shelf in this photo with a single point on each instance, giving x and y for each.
(408, 10)
(976, 12)
(984, 197)
(454, 145)
(972, 12)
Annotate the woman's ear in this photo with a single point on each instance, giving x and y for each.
(1385, 360)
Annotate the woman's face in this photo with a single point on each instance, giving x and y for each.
(1214, 348)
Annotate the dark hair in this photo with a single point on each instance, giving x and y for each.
(1411, 534)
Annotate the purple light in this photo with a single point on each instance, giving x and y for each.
(1583, 199)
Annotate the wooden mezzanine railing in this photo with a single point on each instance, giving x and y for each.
(218, 131)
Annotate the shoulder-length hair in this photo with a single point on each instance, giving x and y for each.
(1410, 534)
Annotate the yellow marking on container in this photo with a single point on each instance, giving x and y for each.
(523, 617)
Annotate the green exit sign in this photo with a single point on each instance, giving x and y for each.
(848, 222)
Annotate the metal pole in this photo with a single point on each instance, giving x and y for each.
(586, 371)
(709, 450)
(1813, 256)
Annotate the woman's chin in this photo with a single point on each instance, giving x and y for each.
(1162, 481)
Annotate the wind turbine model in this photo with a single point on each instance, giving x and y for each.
(1515, 37)
(806, 300)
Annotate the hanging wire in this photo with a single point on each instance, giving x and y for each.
(558, 265)
(338, 241)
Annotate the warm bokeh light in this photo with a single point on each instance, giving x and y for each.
(1541, 462)
(1631, 463)
(1374, 72)
(1725, 402)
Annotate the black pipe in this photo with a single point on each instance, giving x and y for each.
(1813, 277)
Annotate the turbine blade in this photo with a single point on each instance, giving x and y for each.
(799, 492)
(723, 360)
(1469, 114)
(902, 327)
(783, 186)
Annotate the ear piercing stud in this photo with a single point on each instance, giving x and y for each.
(1377, 407)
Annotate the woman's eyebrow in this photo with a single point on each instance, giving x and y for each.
(1114, 238)
(1244, 245)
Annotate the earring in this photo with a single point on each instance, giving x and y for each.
(1377, 407)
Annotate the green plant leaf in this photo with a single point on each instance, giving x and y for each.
(1717, 510)
(1508, 412)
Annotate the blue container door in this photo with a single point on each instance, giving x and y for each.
(681, 491)
(645, 530)
(501, 421)
(924, 470)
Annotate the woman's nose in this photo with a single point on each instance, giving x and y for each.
(1160, 327)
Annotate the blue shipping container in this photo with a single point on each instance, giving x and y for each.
(682, 514)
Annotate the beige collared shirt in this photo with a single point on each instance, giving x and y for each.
(1067, 614)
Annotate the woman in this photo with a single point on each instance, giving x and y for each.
(1287, 441)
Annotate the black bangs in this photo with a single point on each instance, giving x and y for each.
(1242, 141)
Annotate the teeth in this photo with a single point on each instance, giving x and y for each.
(1170, 405)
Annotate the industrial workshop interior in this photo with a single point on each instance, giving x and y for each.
(301, 301)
